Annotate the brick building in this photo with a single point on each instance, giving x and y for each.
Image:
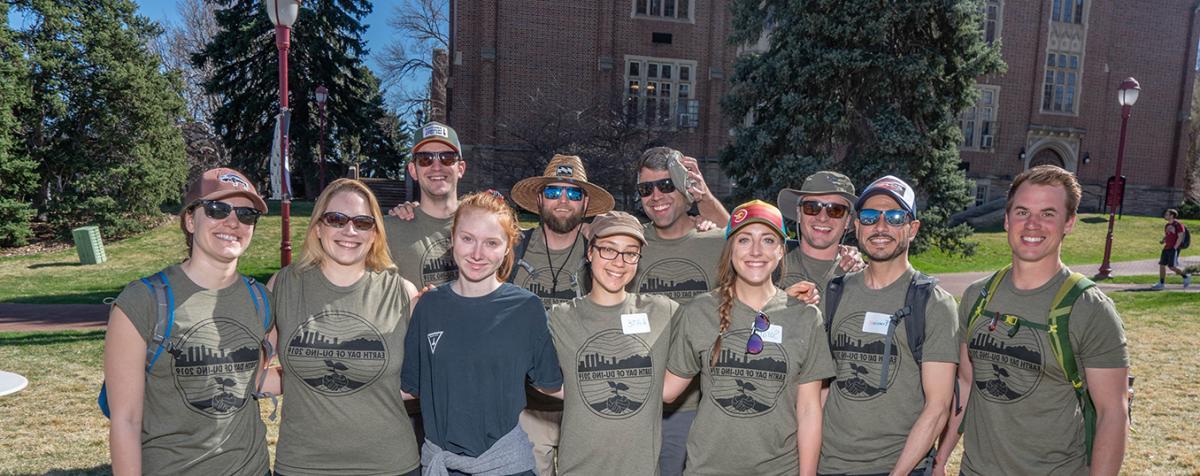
(667, 62)
(1057, 103)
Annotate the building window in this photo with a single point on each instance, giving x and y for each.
(1061, 83)
(991, 20)
(669, 9)
(660, 93)
(978, 122)
(1067, 11)
(981, 192)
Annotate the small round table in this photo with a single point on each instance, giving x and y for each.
(11, 383)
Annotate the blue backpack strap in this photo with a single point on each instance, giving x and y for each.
(262, 308)
(160, 290)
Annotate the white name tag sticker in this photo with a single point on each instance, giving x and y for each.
(773, 334)
(635, 323)
(876, 323)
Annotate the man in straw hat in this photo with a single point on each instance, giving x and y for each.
(550, 258)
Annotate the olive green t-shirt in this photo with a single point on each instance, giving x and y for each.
(801, 267)
(865, 428)
(555, 276)
(341, 350)
(747, 418)
(680, 269)
(1022, 416)
(199, 415)
(613, 359)
(421, 248)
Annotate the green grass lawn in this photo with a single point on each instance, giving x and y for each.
(59, 278)
(54, 427)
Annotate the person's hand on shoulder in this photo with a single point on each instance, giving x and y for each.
(849, 259)
(703, 224)
(805, 291)
(405, 211)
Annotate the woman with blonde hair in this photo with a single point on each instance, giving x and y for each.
(761, 375)
(471, 346)
(183, 349)
(342, 312)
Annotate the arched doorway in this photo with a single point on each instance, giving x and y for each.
(1047, 156)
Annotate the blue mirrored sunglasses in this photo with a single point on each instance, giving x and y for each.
(892, 217)
(552, 192)
(761, 324)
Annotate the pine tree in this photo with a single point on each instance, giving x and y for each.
(863, 87)
(102, 120)
(18, 181)
(326, 49)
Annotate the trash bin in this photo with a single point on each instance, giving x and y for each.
(89, 246)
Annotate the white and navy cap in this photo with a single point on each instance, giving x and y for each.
(893, 187)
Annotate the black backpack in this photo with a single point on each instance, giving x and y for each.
(1187, 237)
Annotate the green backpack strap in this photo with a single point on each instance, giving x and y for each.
(1059, 324)
(978, 309)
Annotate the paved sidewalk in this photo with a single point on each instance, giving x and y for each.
(61, 317)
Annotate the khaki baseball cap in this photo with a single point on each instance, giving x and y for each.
(825, 182)
(438, 132)
(219, 183)
(617, 223)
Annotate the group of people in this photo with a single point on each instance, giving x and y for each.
(609, 346)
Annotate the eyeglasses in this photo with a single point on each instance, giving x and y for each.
(893, 217)
(447, 158)
(220, 211)
(629, 257)
(646, 189)
(813, 208)
(552, 192)
(339, 220)
(761, 324)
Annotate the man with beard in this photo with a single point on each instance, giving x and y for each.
(822, 209)
(420, 240)
(889, 400)
(551, 268)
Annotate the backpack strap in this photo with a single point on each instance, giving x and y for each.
(833, 294)
(1060, 342)
(519, 255)
(913, 315)
(160, 289)
(979, 309)
(262, 308)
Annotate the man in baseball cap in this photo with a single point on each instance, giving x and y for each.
(822, 209)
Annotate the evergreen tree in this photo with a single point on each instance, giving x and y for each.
(863, 87)
(326, 49)
(102, 118)
(18, 181)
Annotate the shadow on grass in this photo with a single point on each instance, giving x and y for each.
(55, 265)
(46, 338)
(95, 471)
(90, 297)
(1094, 220)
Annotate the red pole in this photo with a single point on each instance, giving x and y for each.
(321, 147)
(282, 42)
(1106, 266)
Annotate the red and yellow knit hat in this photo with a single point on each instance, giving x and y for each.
(756, 211)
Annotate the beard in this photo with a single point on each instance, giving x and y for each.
(884, 256)
(560, 225)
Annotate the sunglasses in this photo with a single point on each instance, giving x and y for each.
(447, 158)
(813, 208)
(761, 324)
(220, 211)
(629, 257)
(893, 217)
(646, 189)
(339, 220)
(552, 192)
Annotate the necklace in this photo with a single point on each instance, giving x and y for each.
(553, 272)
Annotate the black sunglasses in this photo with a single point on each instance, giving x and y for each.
(339, 220)
(220, 211)
(813, 208)
(646, 189)
(447, 158)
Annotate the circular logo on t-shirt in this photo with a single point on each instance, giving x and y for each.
(614, 373)
(437, 264)
(1007, 369)
(215, 363)
(859, 357)
(747, 385)
(676, 278)
(542, 284)
(336, 353)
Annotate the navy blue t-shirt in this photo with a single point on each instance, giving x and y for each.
(467, 359)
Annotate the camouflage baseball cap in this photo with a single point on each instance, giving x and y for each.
(825, 182)
(438, 132)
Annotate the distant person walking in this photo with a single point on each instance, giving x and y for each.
(1173, 243)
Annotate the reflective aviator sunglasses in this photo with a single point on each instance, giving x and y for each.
(892, 217)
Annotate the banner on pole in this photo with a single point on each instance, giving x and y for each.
(282, 121)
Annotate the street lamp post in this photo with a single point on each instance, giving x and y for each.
(322, 96)
(1127, 95)
(283, 14)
